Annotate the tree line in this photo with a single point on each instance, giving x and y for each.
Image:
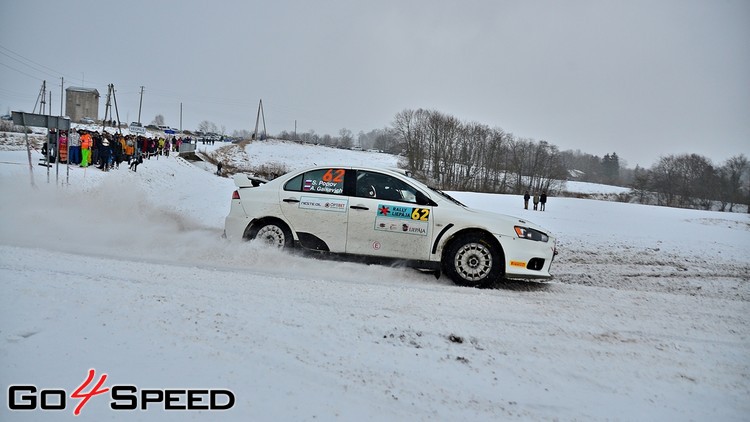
(471, 156)
(451, 154)
(454, 155)
(692, 181)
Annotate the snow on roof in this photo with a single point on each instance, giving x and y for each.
(81, 89)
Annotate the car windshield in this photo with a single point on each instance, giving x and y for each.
(438, 191)
(448, 197)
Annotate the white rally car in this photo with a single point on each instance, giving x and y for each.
(384, 215)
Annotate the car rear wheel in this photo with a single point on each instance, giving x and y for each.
(471, 260)
(274, 234)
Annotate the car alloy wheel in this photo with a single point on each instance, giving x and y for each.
(473, 261)
(272, 235)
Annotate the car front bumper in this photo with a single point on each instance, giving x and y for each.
(528, 259)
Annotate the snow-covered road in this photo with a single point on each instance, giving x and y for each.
(127, 273)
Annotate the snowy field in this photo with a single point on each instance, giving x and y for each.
(295, 155)
(648, 317)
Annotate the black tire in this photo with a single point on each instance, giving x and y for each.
(273, 233)
(473, 261)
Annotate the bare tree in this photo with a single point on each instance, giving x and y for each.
(641, 184)
(346, 138)
(687, 180)
(243, 134)
(207, 127)
(327, 140)
(385, 140)
(471, 156)
(406, 125)
(731, 180)
(665, 175)
(309, 137)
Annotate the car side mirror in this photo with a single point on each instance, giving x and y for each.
(422, 199)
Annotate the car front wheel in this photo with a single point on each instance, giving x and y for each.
(471, 260)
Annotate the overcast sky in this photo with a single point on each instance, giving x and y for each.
(641, 78)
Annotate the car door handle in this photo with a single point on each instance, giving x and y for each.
(291, 200)
(359, 207)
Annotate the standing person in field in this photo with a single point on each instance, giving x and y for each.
(51, 146)
(85, 148)
(96, 145)
(129, 148)
(536, 201)
(118, 147)
(543, 200)
(74, 140)
(63, 147)
(526, 198)
(137, 159)
(105, 153)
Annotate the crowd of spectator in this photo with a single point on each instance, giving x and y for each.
(106, 150)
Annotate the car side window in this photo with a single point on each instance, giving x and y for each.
(330, 181)
(381, 186)
(295, 184)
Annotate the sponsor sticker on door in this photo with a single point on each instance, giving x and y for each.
(405, 220)
(323, 204)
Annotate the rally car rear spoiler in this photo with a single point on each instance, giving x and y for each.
(242, 180)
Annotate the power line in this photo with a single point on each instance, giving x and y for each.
(8, 95)
(36, 66)
(21, 72)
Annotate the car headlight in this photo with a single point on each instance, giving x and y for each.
(531, 234)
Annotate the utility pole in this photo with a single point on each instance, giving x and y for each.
(62, 83)
(117, 112)
(67, 135)
(43, 97)
(257, 120)
(57, 144)
(108, 108)
(42, 94)
(180, 117)
(140, 105)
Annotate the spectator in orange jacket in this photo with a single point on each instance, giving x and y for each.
(86, 142)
